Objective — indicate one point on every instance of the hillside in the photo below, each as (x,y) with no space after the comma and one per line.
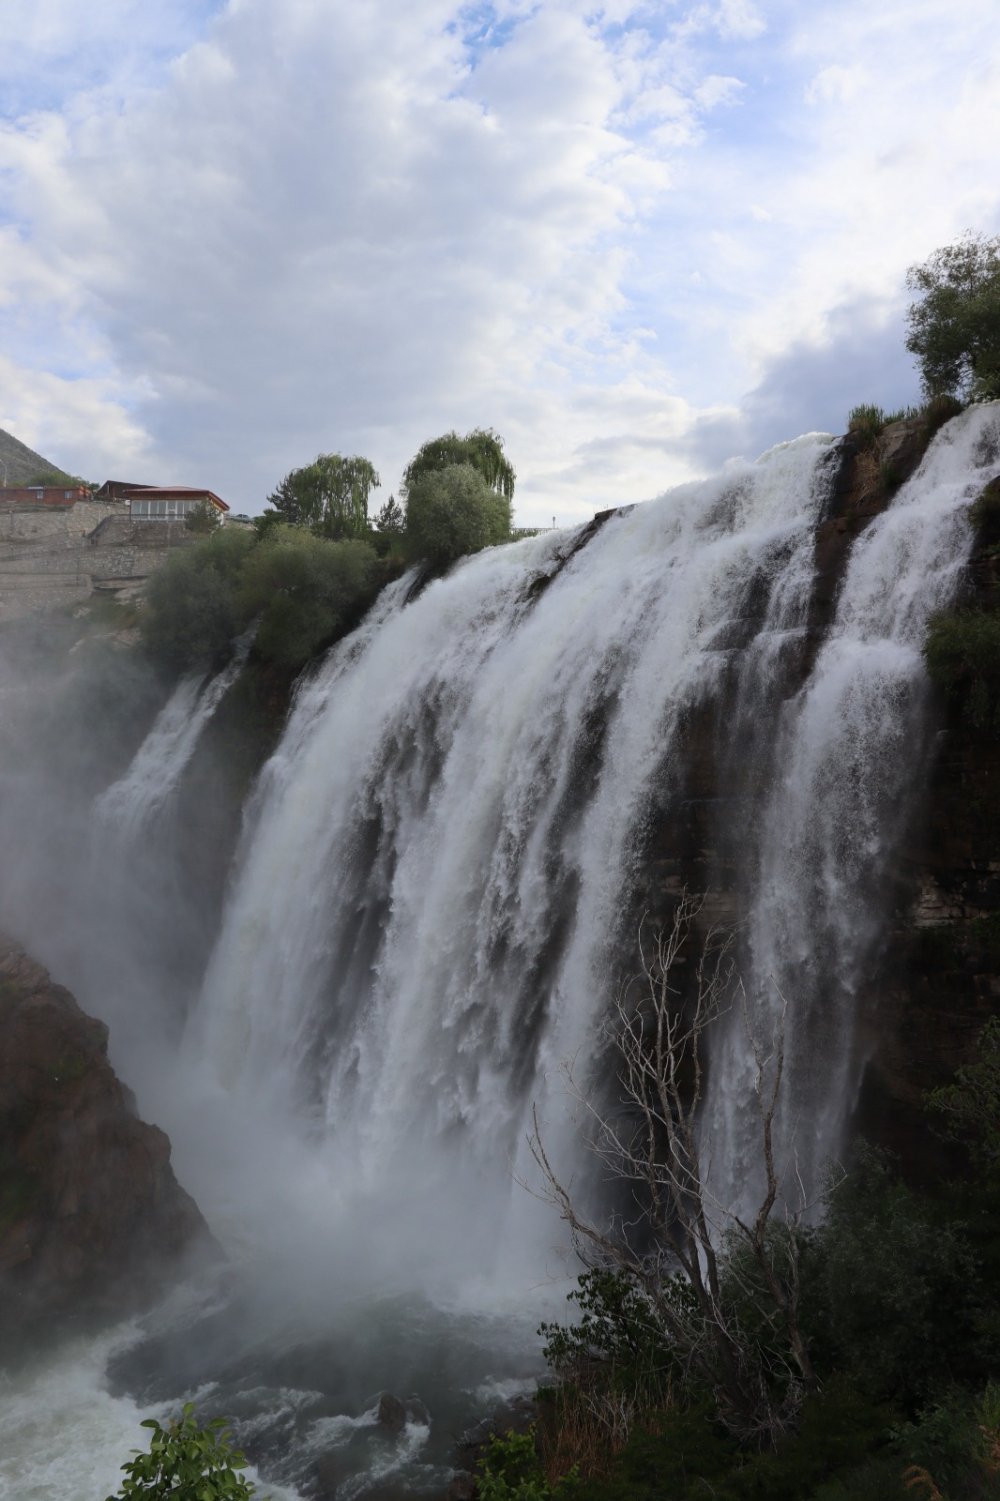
(22,463)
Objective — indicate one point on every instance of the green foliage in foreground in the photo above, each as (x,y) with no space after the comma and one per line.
(452,512)
(901,1305)
(186,1463)
(303,591)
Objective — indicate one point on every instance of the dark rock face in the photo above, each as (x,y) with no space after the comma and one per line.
(939,982)
(92,1219)
(935,980)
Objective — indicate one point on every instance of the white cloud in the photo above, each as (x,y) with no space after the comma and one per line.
(260,231)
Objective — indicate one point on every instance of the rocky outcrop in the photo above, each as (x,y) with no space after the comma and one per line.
(92,1219)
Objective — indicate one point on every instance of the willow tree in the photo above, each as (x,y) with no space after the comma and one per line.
(482,448)
(330,496)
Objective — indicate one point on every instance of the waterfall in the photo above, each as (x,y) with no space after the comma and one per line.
(130,804)
(433,900)
(422,926)
(849,751)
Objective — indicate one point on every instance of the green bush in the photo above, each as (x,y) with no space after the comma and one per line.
(307,591)
(962,652)
(619,1339)
(971,1104)
(186,1463)
(892,1292)
(453,512)
(511,1470)
(192,612)
(984,513)
(866,422)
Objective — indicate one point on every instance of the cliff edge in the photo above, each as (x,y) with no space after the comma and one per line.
(92,1220)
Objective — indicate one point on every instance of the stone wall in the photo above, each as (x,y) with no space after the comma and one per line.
(52,559)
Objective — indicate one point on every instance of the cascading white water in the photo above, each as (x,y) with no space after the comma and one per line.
(848,754)
(443,847)
(426,918)
(127,807)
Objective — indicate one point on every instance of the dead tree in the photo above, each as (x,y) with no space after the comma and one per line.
(653,1144)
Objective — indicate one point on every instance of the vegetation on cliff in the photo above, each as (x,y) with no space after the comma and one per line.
(898,1298)
(954,325)
(302,590)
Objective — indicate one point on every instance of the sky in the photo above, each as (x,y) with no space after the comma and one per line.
(637,240)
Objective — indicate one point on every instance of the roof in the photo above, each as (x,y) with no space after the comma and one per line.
(178,492)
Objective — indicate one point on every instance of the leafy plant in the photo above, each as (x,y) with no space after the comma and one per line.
(203,520)
(511,1471)
(185,1462)
(306,591)
(962,652)
(192,611)
(866,422)
(482,449)
(954,327)
(971,1105)
(330,495)
(452,512)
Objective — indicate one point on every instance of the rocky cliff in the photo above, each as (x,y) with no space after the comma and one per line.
(92,1219)
(935,979)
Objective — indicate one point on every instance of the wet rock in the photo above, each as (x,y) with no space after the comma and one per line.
(462,1488)
(92,1220)
(391,1413)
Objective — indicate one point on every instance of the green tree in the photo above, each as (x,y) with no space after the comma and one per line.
(482,448)
(330,496)
(306,591)
(203,520)
(186,1463)
(192,610)
(452,512)
(971,1105)
(389,527)
(954,327)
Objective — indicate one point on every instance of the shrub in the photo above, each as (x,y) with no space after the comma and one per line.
(186,1463)
(984,513)
(306,590)
(971,1105)
(866,422)
(452,512)
(939,410)
(203,520)
(192,611)
(511,1471)
(893,1285)
(962,652)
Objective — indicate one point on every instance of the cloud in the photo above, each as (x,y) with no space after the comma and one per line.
(812,386)
(251,232)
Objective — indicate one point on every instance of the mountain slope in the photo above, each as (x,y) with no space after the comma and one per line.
(23,464)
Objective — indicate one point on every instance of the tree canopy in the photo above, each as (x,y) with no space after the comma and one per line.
(330,495)
(954,327)
(481,448)
(452,512)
